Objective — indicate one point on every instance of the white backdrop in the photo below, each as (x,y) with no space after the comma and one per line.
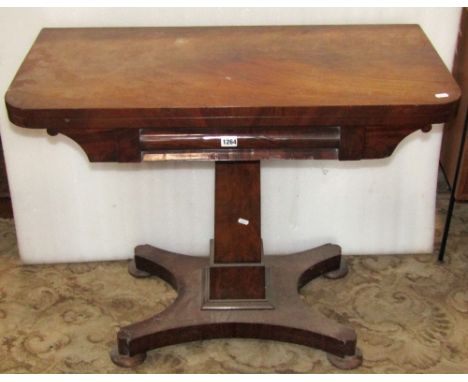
(67,209)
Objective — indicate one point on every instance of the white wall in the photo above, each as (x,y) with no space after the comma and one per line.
(67,209)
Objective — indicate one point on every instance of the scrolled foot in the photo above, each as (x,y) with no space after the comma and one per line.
(125,360)
(135,272)
(342,271)
(347,362)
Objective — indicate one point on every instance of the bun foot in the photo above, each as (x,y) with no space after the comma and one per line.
(126,360)
(342,271)
(135,272)
(348,362)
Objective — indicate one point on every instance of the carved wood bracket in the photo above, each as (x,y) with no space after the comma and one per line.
(313,142)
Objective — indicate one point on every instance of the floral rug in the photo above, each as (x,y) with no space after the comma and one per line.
(410,314)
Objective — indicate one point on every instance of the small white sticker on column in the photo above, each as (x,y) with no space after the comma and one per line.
(243,221)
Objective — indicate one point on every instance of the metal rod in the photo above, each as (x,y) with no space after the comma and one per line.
(448,217)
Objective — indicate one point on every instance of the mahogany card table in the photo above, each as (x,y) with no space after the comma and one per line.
(235,96)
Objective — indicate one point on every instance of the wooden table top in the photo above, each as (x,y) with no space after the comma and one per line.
(107,78)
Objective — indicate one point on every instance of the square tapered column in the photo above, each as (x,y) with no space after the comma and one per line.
(236,269)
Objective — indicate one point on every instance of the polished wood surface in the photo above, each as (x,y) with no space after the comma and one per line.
(253,143)
(237,233)
(253,76)
(237,282)
(309,142)
(285,92)
(291,320)
(237,212)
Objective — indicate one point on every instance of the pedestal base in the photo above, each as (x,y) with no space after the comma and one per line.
(290,320)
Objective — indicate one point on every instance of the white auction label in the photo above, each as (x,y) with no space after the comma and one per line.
(230,141)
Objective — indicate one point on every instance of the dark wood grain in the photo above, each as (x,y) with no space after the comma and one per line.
(237,196)
(285,92)
(229,155)
(132,94)
(238,76)
(316,137)
(106,145)
(381,143)
(290,320)
(317,142)
(237,282)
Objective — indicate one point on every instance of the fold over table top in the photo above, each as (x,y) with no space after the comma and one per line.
(107,78)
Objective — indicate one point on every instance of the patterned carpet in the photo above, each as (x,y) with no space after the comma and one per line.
(410,314)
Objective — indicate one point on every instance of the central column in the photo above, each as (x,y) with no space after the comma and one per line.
(237,213)
(236,274)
